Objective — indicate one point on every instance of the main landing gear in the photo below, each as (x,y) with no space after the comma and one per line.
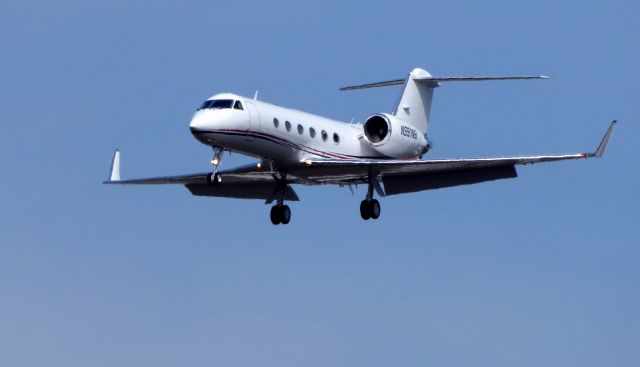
(280,213)
(370,207)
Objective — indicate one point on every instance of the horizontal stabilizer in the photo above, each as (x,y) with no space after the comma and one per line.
(374,85)
(435,80)
(478,78)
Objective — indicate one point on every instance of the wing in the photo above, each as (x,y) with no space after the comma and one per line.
(401,176)
(245,174)
(246,182)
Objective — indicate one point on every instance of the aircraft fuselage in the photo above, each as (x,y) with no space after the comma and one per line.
(279,134)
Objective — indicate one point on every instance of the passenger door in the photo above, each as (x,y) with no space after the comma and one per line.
(254,116)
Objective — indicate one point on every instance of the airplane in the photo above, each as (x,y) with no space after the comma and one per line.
(294,147)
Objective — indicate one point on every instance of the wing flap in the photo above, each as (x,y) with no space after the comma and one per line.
(400,184)
(249,190)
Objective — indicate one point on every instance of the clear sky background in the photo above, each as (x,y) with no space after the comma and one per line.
(542,270)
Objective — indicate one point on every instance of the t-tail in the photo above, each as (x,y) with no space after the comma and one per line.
(414,103)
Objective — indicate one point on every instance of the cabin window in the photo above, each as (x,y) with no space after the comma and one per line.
(336,138)
(238,106)
(287,125)
(312,132)
(324,135)
(276,123)
(300,129)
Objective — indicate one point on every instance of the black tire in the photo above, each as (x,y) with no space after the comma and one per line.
(374,209)
(214,179)
(275,215)
(365,213)
(285,214)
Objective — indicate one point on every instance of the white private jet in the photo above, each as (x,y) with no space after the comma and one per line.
(296,147)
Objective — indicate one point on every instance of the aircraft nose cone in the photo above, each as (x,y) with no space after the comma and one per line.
(197,124)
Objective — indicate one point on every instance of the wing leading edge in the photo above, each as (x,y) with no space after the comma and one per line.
(246,182)
(401,176)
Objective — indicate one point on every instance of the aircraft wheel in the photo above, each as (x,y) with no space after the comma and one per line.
(285,214)
(275,215)
(365,213)
(214,179)
(374,209)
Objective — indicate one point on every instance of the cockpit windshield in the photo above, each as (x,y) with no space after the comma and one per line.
(217,104)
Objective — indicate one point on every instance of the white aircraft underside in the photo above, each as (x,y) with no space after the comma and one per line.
(295,147)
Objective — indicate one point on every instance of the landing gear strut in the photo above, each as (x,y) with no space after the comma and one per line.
(280,213)
(370,207)
(215,178)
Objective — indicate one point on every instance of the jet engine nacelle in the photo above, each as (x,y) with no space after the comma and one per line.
(393,137)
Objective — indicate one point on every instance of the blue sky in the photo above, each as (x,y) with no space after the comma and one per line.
(541,270)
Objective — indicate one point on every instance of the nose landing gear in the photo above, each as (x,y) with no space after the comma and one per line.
(215,178)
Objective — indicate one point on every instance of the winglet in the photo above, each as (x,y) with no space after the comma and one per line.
(605,141)
(115,167)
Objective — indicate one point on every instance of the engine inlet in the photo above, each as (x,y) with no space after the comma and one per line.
(376,128)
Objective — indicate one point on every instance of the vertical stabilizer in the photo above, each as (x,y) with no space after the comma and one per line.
(414,104)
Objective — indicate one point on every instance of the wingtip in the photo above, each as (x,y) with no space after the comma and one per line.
(602,147)
(115,167)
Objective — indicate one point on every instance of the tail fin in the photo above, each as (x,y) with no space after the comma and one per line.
(414,103)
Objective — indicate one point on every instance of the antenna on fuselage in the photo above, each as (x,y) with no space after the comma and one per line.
(255,95)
